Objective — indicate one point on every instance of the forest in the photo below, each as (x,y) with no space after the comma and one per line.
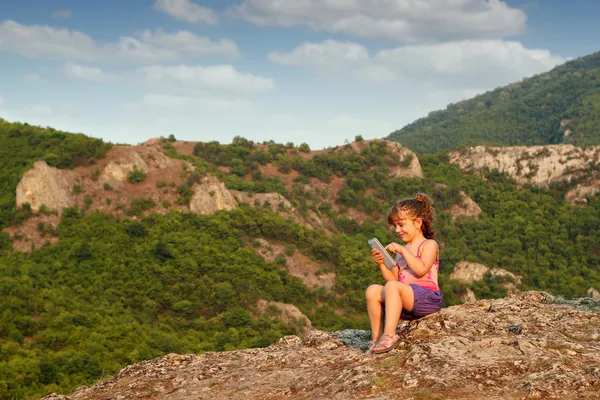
(118,289)
(556,107)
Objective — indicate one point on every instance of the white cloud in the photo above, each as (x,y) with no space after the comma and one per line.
(404,21)
(467,63)
(86,73)
(62,14)
(46,42)
(329,55)
(217,77)
(185,10)
(197,105)
(188,43)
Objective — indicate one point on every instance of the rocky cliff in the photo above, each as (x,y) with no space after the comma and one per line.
(525,346)
(538,165)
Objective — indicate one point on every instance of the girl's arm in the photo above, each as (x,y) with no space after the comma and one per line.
(388,275)
(418,266)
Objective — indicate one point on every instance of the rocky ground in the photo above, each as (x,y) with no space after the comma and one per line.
(525,346)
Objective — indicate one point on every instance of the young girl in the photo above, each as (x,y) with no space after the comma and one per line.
(412,289)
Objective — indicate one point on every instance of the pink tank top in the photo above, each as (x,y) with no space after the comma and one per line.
(428,281)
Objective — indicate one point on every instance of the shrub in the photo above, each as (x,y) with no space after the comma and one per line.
(304,148)
(139,205)
(77,188)
(136,176)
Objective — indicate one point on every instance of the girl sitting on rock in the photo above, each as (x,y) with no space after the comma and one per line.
(412,289)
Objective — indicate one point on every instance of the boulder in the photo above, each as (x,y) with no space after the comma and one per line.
(45,185)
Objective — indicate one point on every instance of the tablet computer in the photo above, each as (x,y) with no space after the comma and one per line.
(387,259)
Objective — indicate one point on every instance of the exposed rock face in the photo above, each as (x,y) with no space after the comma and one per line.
(537,165)
(411,167)
(516,349)
(211,196)
(468,272)
(116,172)
(468,208)
(593,293)
(44,185)
(285,312)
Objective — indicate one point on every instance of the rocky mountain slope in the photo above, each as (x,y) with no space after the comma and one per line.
(556,107)
(520,347)
(128,173)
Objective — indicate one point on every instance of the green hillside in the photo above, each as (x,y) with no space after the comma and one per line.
(116,290)
(523,113)
(23,144)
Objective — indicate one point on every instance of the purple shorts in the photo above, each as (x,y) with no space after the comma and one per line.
(426,302)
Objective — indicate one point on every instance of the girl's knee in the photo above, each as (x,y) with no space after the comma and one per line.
(373,291)
(390,285)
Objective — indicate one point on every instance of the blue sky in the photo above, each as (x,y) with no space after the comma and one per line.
(314,71)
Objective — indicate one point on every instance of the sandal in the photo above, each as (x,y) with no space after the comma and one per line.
(386,343)
(372,344)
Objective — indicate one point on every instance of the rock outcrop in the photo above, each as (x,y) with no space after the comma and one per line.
(284,312)
(211,196)
(467,208)
(409,167)
(45,185)
(468,272)
(520,347)
(144,159)
(297,264)
(537,165)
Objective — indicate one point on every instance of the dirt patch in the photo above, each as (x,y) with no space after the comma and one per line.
(32,234)
(297,264)
(185,148)
(270,170)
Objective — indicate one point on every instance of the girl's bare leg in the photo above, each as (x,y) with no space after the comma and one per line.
(375,300)
(397,296)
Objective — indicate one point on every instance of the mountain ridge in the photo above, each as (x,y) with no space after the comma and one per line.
(557,107)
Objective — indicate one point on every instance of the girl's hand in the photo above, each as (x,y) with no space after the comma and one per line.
(394,248)
(377,256)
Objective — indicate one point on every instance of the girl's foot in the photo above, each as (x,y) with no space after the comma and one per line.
(386,343)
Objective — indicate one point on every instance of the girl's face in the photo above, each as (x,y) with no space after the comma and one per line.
(406,226)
